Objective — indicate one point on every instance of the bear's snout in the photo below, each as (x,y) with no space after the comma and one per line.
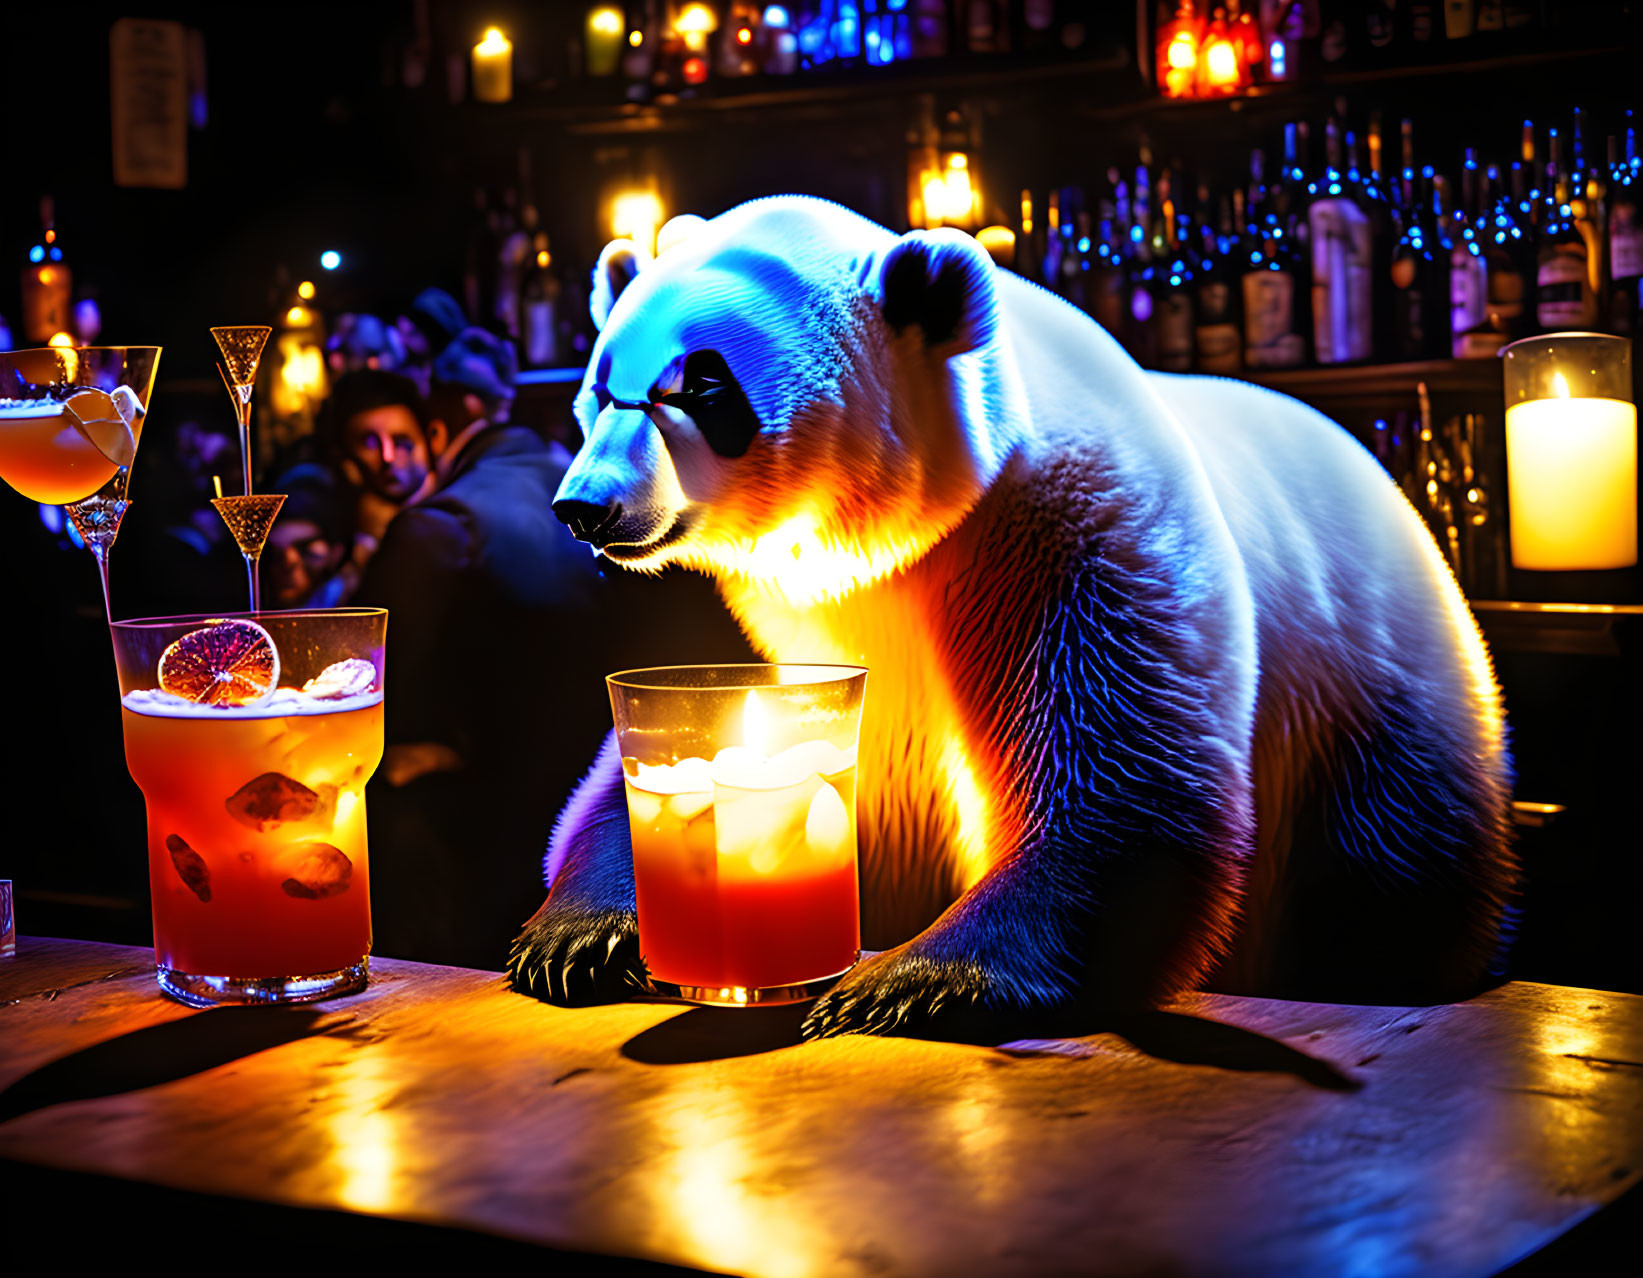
(589,521)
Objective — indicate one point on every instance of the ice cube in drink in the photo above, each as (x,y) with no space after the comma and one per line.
(745,887)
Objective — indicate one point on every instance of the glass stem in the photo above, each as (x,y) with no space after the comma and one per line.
(245,447)
(251,577)
(99,552)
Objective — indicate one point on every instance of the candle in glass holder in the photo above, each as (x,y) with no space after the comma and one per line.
(493,67)
(744,854)
(1571,452)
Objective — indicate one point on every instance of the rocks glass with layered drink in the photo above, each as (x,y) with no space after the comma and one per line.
(741,793)
(252,738)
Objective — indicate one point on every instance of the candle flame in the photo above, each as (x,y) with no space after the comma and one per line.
(493,42)
(755,725)
(1560,386)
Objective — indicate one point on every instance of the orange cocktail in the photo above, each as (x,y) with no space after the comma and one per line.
(744,856)
(46,456)
(255,793)
(746,888)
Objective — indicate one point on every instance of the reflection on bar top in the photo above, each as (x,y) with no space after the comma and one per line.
(1515,605)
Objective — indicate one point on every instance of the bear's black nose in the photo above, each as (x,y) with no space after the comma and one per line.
(587,520)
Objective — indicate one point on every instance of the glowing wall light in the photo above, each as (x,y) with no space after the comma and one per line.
(606,28)
(1221,66)
(493,67)
(694,24)
(950,194)
(636,216)
(1177,46)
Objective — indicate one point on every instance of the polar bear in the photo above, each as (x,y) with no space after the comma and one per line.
(1169,685)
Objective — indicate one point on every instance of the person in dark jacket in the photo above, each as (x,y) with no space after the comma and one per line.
(501,629)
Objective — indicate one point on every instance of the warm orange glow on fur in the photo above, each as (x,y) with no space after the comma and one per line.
(800,563)
(971,808)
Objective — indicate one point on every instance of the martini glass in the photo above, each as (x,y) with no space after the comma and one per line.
(70,420)
(248,516)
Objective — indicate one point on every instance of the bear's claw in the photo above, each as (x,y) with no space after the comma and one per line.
(899,992)
(575,958)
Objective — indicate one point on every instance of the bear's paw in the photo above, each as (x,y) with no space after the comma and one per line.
(573,956)
(904,992)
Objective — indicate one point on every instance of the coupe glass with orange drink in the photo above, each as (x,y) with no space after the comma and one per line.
(741,793)
(70,421)
(252,738)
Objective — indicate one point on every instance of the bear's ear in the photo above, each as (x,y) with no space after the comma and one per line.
(941,280)
(619,263)
(676,230)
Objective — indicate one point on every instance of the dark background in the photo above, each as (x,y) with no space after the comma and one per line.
(314,140)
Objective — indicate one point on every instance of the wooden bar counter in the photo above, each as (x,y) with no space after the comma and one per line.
(1225,1136)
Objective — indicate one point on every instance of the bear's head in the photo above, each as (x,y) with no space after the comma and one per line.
(789,394)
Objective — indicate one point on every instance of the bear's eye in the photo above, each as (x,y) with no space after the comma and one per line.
(708,393)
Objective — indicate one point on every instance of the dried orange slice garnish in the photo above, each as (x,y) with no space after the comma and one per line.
(98,417)
(228,663)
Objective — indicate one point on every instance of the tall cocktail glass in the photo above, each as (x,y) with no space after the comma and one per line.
(70,421)
(252,738)
(741,792)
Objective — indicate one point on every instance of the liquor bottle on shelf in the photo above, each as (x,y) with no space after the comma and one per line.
(1625,234)
(1050,263)
(1506,250)
(1034,25)
(1420,294)
(1423,24)
(987,26)
(1380,193)
(1564,297)
(1075,264)
(1140,334)
(1342,319)
(1029,251)
(1459,18)
(1470,333)
(1218,342)
(1175,284)
(1107,268)
(1272,333)
(513,252)
(539,308)
(48,283)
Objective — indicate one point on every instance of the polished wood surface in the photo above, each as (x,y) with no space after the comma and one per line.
(1228,1135)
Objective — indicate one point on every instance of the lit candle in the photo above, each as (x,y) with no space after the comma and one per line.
(493,67)
(605,33)
(744,864)
(1571,452)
